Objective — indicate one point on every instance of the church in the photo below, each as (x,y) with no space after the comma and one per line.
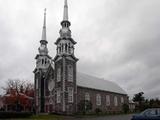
(59,87)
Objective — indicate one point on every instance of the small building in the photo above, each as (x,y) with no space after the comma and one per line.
(17,101)
(132,106)
(1,103)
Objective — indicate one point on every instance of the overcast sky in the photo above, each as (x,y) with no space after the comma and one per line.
(118,40)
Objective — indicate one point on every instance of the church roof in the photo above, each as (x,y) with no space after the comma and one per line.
(88,81)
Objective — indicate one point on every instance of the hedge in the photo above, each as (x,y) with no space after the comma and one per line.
(15,114)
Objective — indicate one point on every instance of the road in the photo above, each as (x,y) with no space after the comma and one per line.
(111,117)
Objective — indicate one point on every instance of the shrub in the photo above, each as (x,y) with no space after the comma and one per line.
(15,114)
(98,110)
(125,108)
(84,106)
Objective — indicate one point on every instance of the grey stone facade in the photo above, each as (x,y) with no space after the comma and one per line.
(104,107)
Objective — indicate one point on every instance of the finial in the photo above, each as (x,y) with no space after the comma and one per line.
(44,26)
(65,13)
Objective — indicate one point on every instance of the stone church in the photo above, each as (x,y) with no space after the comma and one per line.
(59,88)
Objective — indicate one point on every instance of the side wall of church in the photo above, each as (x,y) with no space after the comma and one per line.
(104,107)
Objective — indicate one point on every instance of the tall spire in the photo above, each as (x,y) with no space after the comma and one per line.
(44,27)
(43,48)
(65,13)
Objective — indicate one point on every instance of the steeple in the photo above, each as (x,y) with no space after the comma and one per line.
(65,22)
(65,43)
(43,61)
(44,26)
(65,68)
(43,50)
(65,13)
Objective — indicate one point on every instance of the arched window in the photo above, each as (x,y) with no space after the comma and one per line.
(62,48)
(59,74)
(72,49)
(98,99)
(69,48)
(59,49)
(70,73)
(58,96)
(45,61)
(107,100)
(42,61)
(87,97)
(70,94)
(115,101)
(122,100)
(66,47)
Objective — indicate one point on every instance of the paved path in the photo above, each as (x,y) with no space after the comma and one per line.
(112,117)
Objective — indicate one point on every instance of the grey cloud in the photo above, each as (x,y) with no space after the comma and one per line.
(117,40)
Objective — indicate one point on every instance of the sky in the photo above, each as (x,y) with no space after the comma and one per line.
(118,40)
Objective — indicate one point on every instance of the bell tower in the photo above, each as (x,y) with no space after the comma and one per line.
(65,68)
(43,61)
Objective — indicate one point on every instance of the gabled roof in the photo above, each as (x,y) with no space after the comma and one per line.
(84,80)
(50,69)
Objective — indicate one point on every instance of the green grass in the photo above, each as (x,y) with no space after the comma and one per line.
(42,117)
(46,117)
(61,117)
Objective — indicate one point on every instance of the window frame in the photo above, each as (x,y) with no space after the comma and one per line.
(70,94)
(87,96)
(122,100)
(98,99)
(70,73)
(58,98)
(108,100)
(115,101)
(58,74)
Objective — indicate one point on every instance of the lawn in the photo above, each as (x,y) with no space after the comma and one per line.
(46,117)
(42,117)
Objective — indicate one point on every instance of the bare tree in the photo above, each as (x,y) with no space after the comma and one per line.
(18,86)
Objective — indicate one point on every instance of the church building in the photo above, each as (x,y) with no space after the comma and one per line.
(60,88)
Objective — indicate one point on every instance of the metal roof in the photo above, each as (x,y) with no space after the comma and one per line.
(89,81)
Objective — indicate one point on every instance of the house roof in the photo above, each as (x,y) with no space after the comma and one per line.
(88,81)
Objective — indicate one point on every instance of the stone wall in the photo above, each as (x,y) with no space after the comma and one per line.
(103,107)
